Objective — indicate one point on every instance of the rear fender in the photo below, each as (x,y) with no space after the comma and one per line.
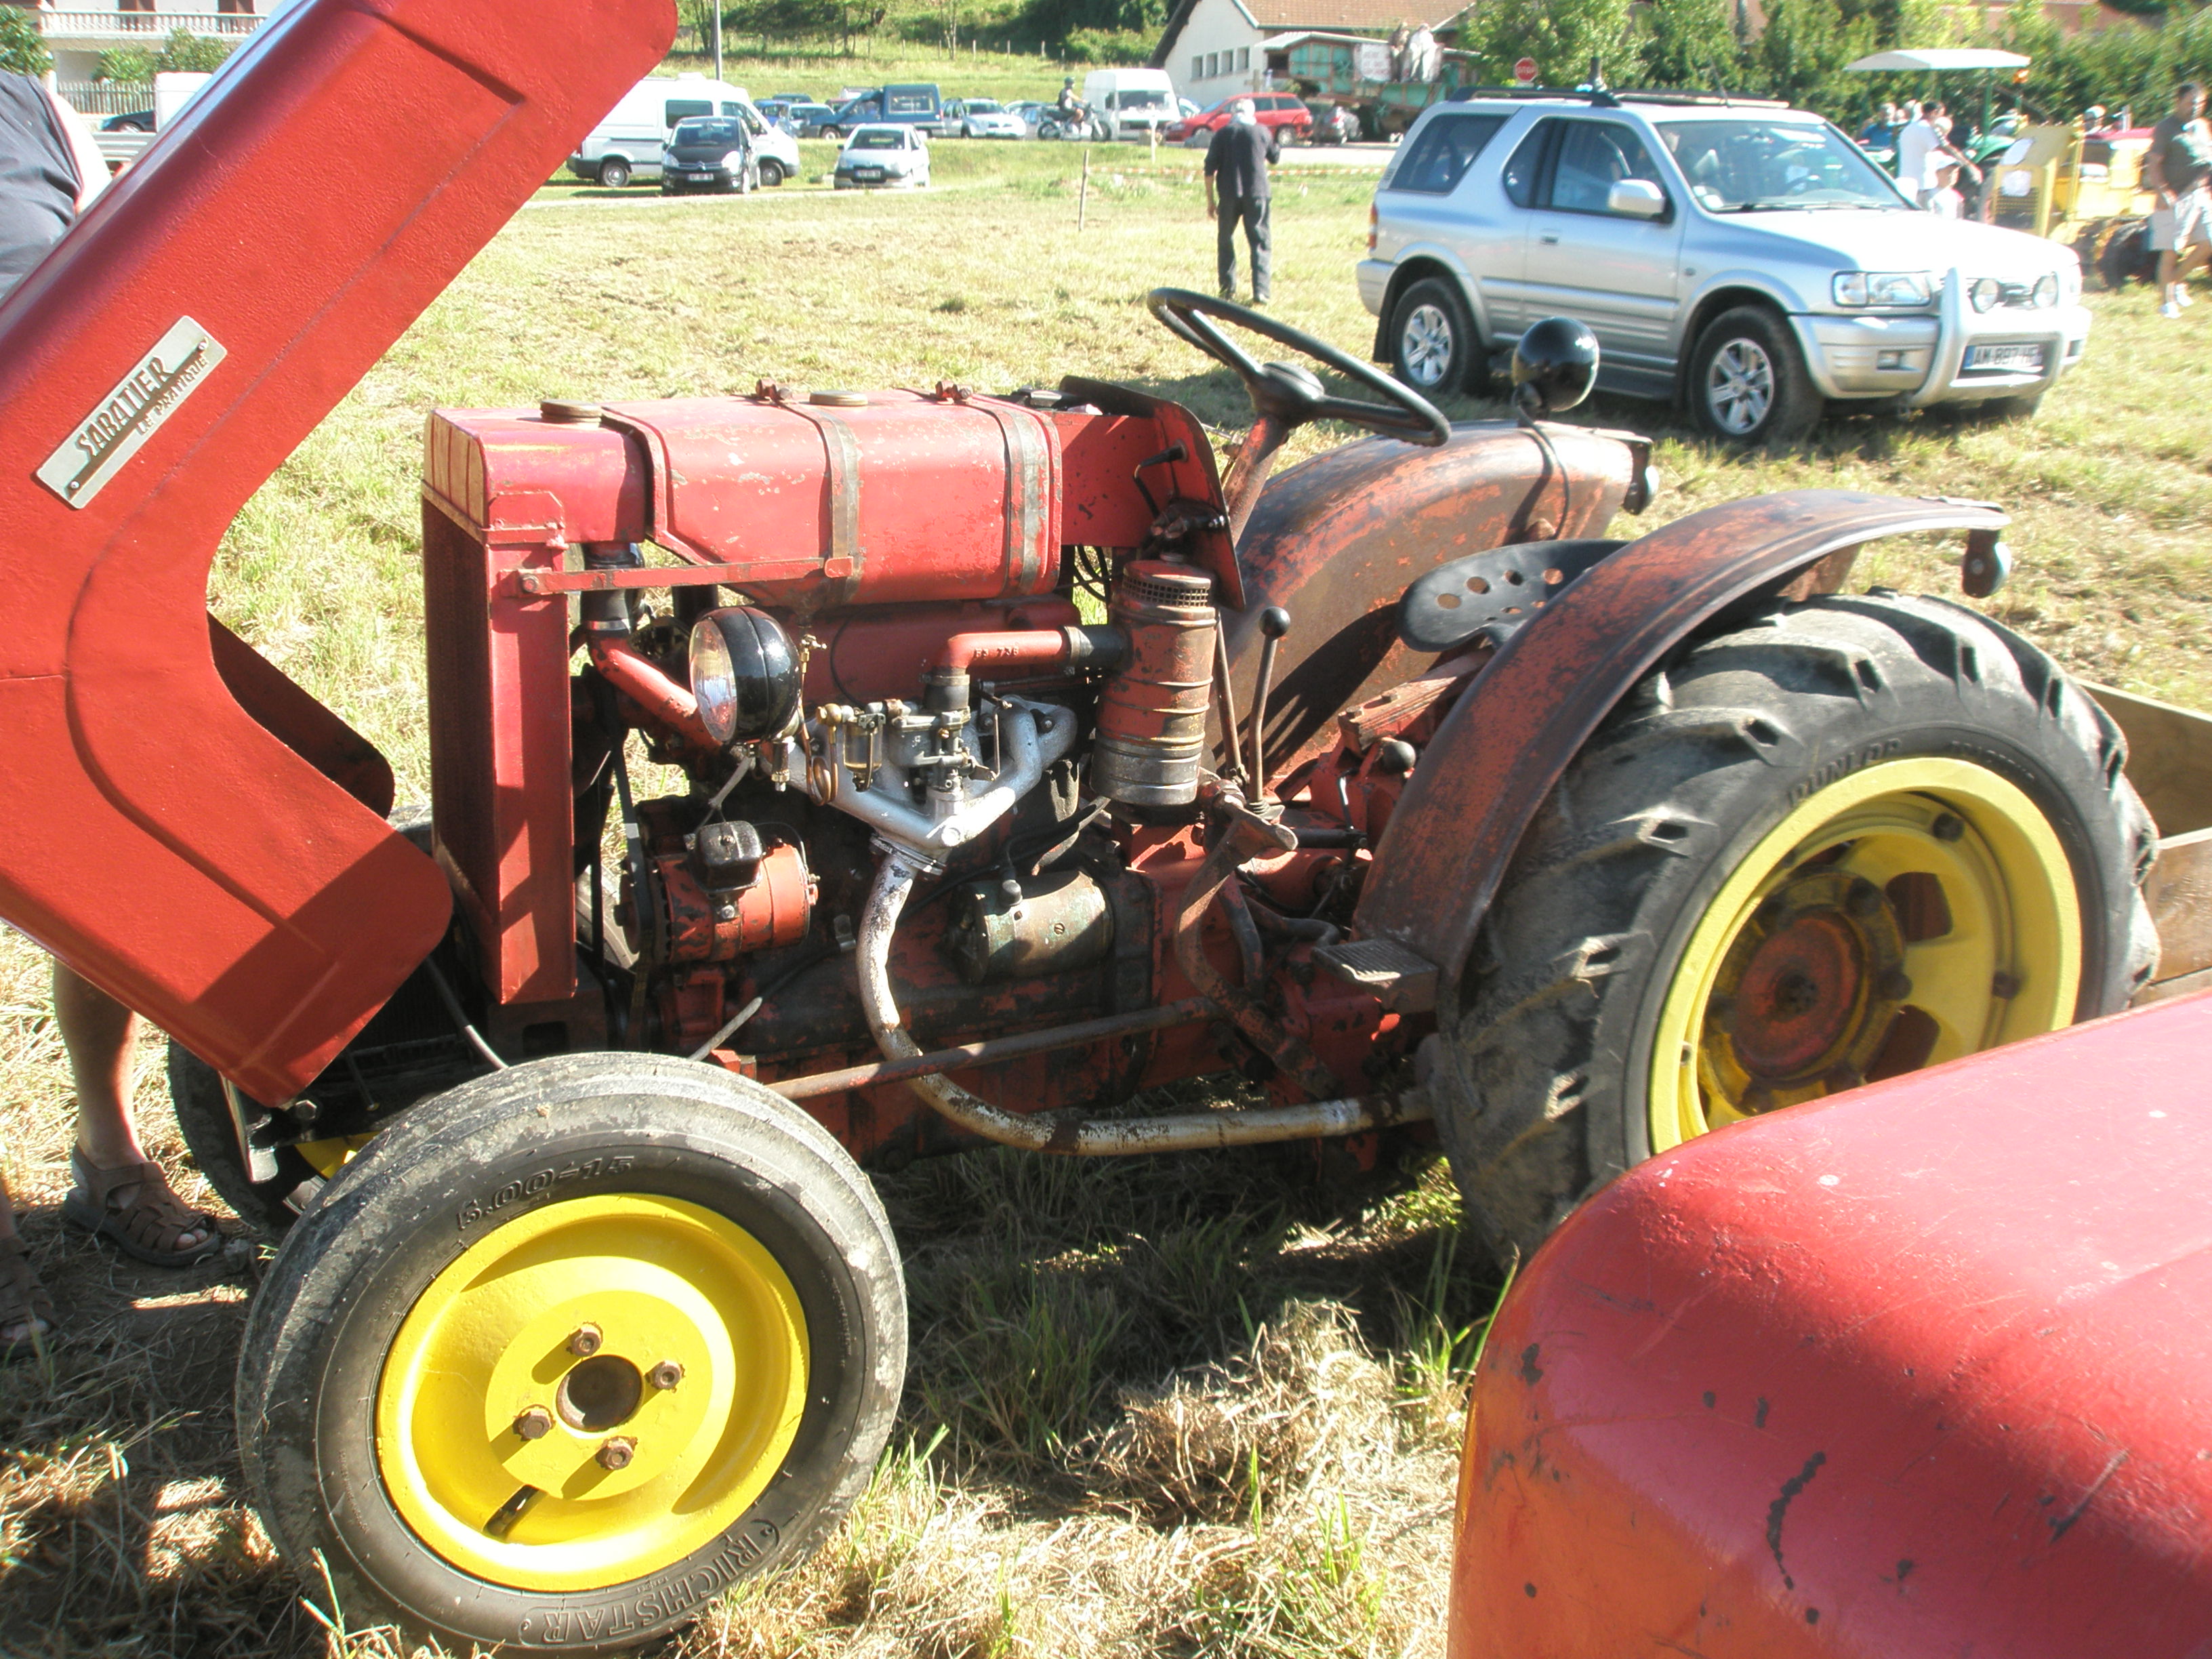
(1337,539)
(1512,736)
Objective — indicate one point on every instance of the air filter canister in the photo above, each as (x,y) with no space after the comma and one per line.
(1151,716)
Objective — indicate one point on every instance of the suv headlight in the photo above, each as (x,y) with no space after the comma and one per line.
(1883,287)
(2045,293)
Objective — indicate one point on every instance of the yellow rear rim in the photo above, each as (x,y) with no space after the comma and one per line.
(497,1408)
(1908,913)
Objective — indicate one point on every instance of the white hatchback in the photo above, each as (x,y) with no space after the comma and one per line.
(883,158)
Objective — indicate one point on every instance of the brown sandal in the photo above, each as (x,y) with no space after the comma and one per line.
(23,1299)
(149,1225)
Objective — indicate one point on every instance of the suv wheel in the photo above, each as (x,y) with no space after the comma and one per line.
(1747,382)
(614,171)
(1432,338)
(771,173)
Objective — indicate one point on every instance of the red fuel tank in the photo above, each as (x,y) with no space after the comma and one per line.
(1925,1369)
(852,498)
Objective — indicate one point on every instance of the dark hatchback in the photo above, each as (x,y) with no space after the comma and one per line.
(698,155)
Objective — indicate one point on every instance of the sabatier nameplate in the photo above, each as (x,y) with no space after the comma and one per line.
(132,413)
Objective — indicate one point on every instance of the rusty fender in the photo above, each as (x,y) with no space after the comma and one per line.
(1527,716)
(1336,539)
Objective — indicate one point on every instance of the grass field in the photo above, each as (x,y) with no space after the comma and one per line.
(1200,1408)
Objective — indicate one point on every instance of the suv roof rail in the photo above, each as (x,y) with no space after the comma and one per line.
(1613,98)
(1602,96)
(1715,100)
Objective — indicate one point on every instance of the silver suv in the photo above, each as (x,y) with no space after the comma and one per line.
(1741,257)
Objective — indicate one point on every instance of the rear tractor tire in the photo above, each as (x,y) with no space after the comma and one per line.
(568,1351)
(1852,838)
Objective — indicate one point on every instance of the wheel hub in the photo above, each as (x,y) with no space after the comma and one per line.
(591,1392)
(1807,991)
(1909,913)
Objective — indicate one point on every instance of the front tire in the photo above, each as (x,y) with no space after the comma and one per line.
(614,171)
(421,1415)
(1855,837)
(1432,340)
(1747,381)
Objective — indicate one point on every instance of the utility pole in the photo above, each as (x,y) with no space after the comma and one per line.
(717,4)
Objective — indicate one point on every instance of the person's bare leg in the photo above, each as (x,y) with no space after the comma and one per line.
(101,1035)
(15,1330)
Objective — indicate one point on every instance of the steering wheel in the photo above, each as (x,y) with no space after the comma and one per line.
(1289,392)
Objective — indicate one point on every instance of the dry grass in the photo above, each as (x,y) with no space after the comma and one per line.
(1203,1407)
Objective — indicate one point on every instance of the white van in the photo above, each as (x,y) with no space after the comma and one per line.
(1133,103)
(627,144)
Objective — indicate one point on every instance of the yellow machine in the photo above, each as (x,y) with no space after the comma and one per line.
(2061,183)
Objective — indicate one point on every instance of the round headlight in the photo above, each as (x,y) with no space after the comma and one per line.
(2045,291)
(1986,292)
(744,674)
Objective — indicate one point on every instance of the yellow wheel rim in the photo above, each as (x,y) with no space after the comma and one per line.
(1908,913)
(497,1408)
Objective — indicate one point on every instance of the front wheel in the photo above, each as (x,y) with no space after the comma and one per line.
(614,171)
(568,1351)
(771,173)
(1432,339)
(1855,837)
(1747,381)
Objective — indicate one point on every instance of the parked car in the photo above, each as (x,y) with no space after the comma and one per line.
(1031,114)
(794,97)
(712,153)
(1333,123)
(138,121)
(1287,115)
(883,156)
(809,120)
(986,117)
(1745,257)
(915,104)
(627,145)
(1132,103)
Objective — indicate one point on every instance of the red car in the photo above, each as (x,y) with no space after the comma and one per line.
(1286,113)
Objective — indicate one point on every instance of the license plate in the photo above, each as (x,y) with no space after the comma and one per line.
(2028,359)
(869,173)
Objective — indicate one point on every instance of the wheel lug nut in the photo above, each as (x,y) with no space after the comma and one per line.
(666,1375)
(533,1423)
(1895,986)
(583,1341)
(1863,899)
(615,1453)
(1948,826)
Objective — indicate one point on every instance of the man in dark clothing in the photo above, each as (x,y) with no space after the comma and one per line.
(49,168)
(1236,163)
(37,179)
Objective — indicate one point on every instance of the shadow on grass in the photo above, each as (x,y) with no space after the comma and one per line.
(123,1529)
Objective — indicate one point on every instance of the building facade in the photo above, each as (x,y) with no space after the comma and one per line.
(1211,49)
(77,34)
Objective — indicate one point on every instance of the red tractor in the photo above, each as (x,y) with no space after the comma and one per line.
(1027,764)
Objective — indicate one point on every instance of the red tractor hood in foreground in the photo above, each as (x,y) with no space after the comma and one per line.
(154,370)
(1922,1371)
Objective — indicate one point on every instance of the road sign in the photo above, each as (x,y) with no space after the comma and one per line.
(1524,71)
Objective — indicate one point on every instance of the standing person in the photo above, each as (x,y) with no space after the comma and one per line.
(1943,198)
(2176,168)
(1916,146)
(1237,160)
(1881,133)
(49,171)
